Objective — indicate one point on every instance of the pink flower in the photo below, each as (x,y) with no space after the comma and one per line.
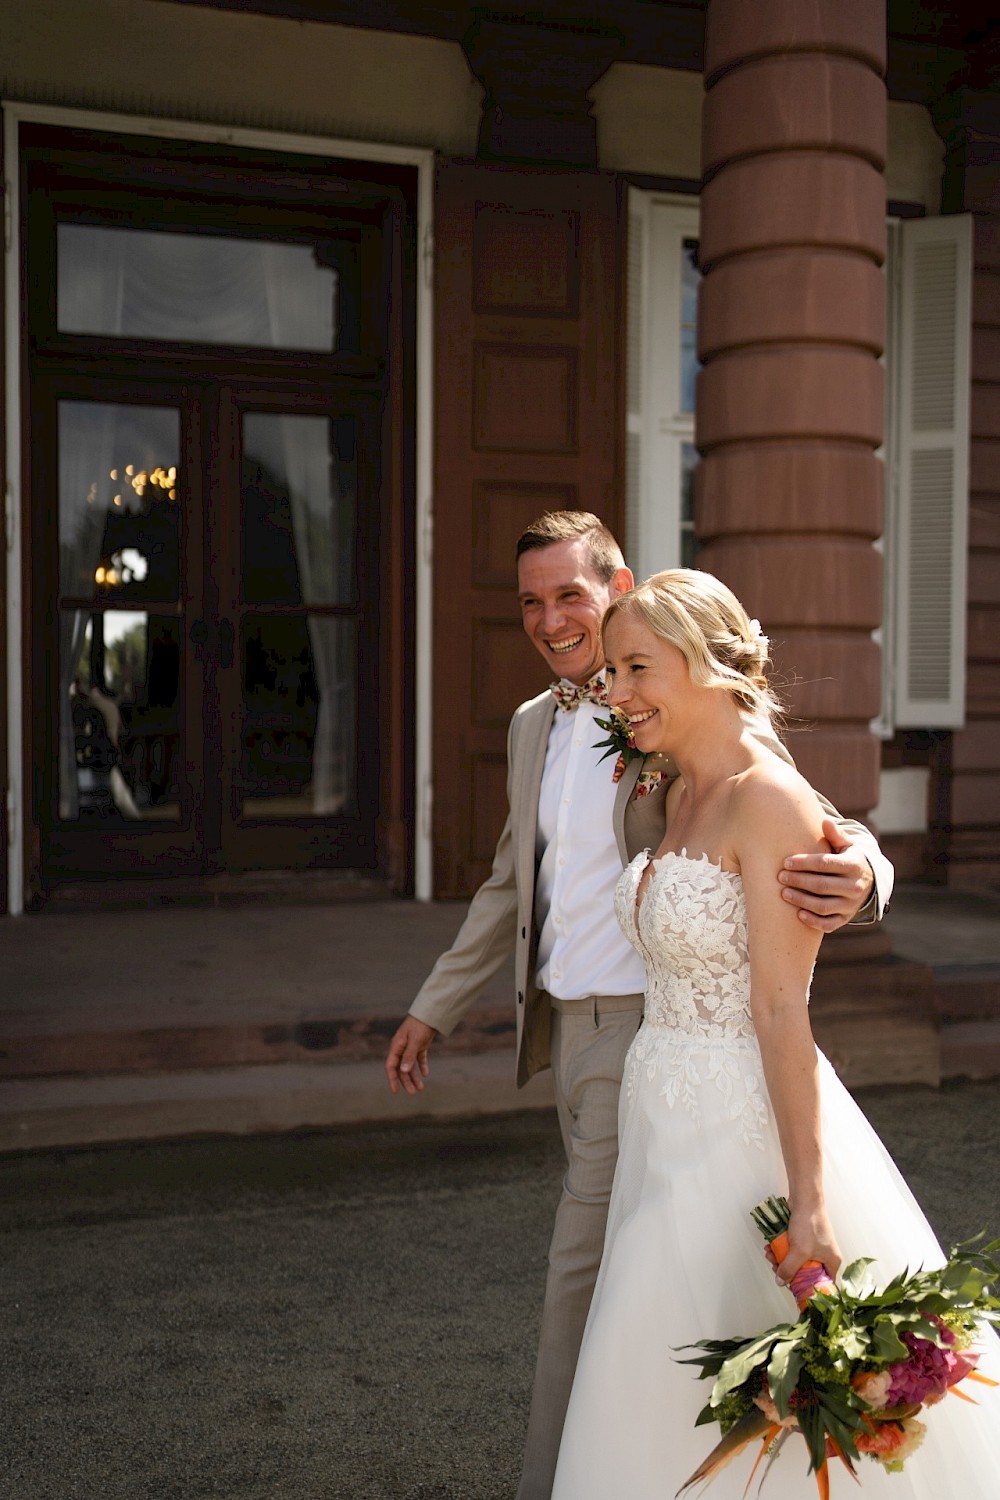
(928,1372)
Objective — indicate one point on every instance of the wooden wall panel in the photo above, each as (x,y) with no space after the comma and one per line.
(524,399)
(528,418)
(526,262)
(488,807)
(501,511)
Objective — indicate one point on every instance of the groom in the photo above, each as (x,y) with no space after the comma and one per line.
(549,899)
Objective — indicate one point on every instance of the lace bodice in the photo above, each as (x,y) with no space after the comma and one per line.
(691,929)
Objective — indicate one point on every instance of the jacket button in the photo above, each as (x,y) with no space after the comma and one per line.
(520,998)
(524,932)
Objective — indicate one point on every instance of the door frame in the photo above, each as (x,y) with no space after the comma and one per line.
(422,159)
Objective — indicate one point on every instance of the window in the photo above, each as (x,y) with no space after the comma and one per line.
(663,282)
(926,445)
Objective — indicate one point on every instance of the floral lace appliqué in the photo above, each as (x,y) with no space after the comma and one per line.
(691,929)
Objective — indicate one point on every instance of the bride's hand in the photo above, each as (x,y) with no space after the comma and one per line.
(810,1237)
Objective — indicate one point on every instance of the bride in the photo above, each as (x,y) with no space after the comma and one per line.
(725,1099)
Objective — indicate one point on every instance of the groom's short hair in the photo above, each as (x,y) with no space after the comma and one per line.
(565,526)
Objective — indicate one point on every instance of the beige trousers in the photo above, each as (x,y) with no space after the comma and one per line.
(589,1041)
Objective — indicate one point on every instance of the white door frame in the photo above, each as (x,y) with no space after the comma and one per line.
(14,115)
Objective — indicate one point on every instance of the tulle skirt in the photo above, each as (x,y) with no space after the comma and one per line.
(683,1261)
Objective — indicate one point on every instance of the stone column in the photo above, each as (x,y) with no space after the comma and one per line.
(789,417)
(791,326)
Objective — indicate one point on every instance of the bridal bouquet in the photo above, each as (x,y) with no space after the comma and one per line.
(857,1366)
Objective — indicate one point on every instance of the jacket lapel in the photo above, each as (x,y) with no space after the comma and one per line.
(533,743)
(626,787)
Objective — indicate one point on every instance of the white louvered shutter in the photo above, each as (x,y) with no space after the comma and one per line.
(932,479)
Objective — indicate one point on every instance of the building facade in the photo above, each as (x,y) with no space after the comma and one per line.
(310,307)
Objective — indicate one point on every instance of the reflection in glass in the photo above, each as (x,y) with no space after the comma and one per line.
(689,542)
(300,716)
(299,489)
(119,545)
(206,289)
(120,716)
(690,278)
(119,507)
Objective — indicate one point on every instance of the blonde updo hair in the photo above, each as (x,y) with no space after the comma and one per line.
(704,619)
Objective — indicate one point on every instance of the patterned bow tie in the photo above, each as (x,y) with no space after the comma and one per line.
(569,697)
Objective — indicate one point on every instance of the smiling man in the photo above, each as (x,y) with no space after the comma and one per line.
(549,900)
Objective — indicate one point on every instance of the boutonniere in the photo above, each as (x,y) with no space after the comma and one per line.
(620,742)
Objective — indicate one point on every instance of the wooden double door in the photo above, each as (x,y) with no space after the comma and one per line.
(219,521)
(210,660)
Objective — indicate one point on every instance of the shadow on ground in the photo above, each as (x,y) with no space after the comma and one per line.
(344,1315)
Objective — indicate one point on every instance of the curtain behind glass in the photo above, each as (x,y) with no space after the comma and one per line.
(299,450)
(153,284)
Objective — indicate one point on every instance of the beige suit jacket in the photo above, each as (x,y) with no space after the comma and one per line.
(501,917)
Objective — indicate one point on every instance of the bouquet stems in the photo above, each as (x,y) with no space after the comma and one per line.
(772,1218)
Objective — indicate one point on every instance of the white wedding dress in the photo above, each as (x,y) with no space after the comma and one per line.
(683,1260)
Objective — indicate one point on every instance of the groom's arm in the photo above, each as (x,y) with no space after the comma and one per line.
(852,883)
(484,941)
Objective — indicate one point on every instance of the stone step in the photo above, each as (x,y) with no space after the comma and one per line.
(885,1030)
(970,1049)
(48,1113)
(967,992)
(236,1043)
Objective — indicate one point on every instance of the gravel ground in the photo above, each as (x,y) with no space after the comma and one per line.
(340,1315)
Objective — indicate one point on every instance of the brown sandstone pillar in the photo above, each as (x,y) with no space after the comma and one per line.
(789,417)
(790,398)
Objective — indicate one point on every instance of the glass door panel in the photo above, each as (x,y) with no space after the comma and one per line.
(120,668)
(299,503)
(300,716)
(300,636)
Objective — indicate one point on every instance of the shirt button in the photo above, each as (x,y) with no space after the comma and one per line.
(558,921)
(562,859)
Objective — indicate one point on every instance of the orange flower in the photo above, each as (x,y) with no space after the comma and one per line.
(883,1440)
(891,1442)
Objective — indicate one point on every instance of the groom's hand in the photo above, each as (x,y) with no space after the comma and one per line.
(829,888)
(406,1062)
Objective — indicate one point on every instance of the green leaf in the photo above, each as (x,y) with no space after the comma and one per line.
(813,1429)
(783,1373)
(853,1279)
(754,1353)
(888,1345)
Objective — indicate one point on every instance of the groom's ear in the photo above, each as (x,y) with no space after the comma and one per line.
(621,581)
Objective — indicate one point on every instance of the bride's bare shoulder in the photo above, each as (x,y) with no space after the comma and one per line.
(774,802)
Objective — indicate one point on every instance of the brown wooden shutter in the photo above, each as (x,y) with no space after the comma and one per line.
(528,415)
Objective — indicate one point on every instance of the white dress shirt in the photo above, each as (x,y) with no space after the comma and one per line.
(581,949)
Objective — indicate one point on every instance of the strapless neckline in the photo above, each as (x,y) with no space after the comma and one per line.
(681,856)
